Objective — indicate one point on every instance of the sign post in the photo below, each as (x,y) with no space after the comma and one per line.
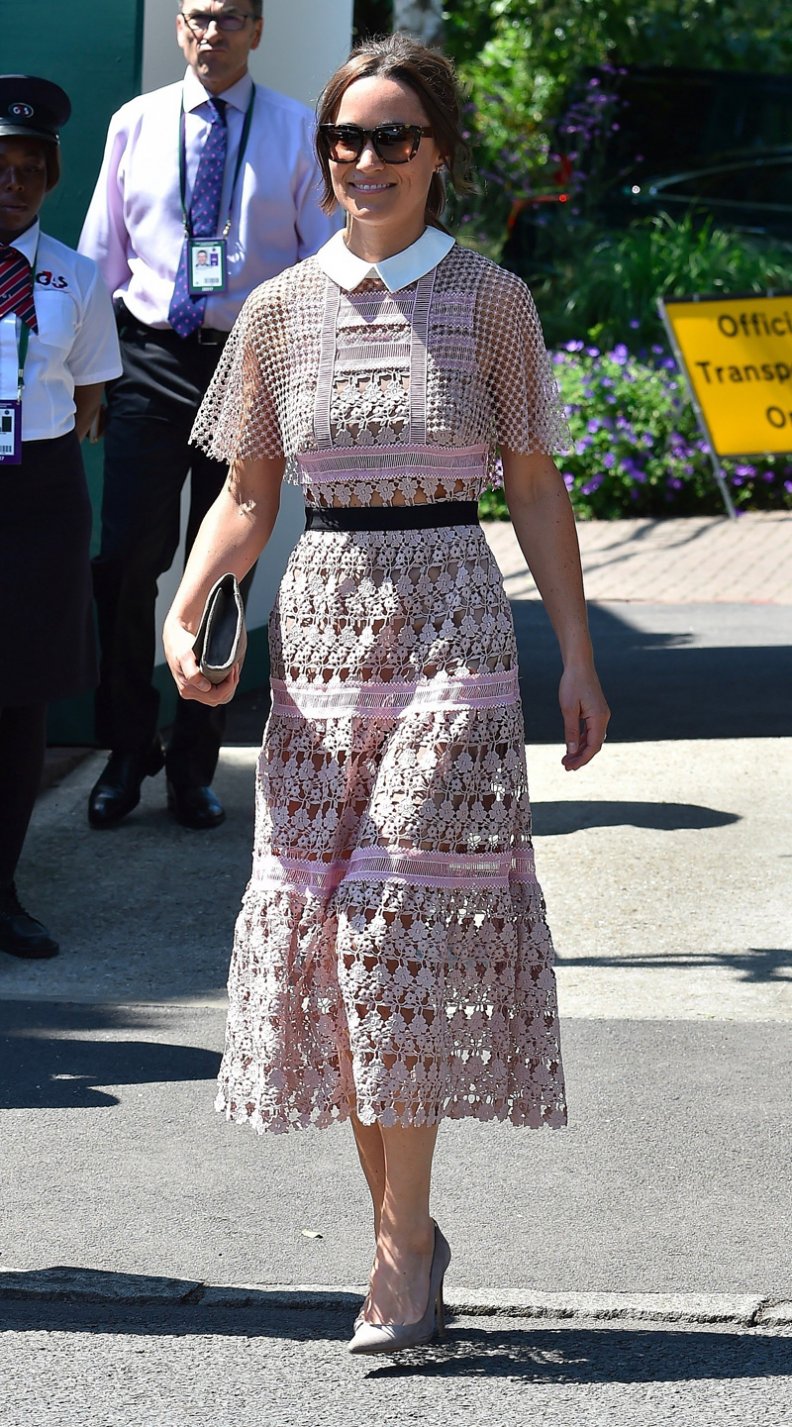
(736,356)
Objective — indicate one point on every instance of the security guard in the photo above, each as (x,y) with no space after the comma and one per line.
(58,346)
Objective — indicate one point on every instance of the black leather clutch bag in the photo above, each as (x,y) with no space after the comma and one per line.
(221,640)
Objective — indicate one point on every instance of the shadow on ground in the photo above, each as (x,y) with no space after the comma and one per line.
(522,1351)
(669,672)
(554,819)
(61,1071)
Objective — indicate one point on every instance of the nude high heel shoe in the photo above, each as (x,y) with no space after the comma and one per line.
(393,1337)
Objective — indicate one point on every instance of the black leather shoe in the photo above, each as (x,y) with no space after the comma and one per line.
(194,806)
(117,791)
(20,934)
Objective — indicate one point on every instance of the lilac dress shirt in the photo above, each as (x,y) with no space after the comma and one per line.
(133,228)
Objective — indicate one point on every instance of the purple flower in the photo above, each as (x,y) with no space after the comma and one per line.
(593,425)
(609,460)
(569,481)
(573,346)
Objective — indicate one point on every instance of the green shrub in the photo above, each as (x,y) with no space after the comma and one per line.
(638,448)
(606,286)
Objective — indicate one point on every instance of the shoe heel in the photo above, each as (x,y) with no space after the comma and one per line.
(440,1325)
(156,760)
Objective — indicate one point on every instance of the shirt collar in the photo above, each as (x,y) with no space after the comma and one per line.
(348,271)
(195,94)
(27,242)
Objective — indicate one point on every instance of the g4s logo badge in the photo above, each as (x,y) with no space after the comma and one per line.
(48,279)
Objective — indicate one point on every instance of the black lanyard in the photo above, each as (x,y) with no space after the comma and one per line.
(240,159)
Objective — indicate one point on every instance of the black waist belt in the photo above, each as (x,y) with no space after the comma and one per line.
(391,517)
(202,337)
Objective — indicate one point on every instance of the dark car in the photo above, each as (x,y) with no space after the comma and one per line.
(715,144)
(753,194)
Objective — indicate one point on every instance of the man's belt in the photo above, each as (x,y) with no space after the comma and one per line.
(203,337)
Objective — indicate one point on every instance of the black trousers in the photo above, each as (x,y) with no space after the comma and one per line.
(23,742)
(151,409)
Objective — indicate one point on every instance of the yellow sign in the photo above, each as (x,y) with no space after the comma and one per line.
(737,355)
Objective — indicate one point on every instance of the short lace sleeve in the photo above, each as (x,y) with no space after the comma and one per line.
(528,411)
(238,417)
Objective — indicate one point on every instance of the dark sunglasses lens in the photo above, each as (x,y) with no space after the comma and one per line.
(232,22)
(343,145)
(394,143)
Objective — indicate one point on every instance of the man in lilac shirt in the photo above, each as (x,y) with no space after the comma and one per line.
(146,201)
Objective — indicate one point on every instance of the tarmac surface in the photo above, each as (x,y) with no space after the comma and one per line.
(160,1266)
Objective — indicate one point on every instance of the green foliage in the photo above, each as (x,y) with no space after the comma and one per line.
(638,449)
(519,57)
(607,285)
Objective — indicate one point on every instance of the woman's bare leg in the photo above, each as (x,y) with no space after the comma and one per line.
(400,1277)
(371,1153)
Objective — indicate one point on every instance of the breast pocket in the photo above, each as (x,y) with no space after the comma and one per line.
(56,314)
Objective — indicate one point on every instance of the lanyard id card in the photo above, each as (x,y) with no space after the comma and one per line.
(206,266)
(10,432)
(10,409)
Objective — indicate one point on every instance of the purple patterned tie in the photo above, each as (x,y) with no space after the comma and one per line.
(186,312)
(16,286)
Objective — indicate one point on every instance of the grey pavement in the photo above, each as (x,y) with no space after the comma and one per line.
(643,1251)
(133,1367)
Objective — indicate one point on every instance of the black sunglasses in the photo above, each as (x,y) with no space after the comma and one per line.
(199,22)
(393,143)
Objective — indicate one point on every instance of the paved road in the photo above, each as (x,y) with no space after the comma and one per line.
(83,1367)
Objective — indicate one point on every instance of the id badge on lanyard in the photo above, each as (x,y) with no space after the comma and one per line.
(10,432)
(11,408)
(206,266)
(207,270)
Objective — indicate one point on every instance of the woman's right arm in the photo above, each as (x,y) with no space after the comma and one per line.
(231,538)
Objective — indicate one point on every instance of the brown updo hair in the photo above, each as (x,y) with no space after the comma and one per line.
(431,77)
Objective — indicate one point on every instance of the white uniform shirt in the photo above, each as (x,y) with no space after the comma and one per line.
(134,229)
(76,344)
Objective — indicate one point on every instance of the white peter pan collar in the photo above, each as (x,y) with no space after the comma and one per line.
(343,266)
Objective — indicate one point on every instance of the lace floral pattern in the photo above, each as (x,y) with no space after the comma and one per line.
(392,955)
(477,375)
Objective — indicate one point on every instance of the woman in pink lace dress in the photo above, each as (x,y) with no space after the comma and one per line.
(392,964)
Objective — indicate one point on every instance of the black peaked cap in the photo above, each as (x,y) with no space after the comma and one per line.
(31,107)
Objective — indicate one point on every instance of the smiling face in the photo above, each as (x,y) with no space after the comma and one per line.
(24,183)
(218,58)
(385,203)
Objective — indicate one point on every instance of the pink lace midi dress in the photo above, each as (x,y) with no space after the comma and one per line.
(391,955)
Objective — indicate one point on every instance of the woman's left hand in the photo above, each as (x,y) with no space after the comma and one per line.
(178,643)
(585,713)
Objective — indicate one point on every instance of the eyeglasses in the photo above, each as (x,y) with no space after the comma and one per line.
(199,22)
(393,143)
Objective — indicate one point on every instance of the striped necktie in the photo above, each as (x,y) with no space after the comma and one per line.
(186,312)
(16,286)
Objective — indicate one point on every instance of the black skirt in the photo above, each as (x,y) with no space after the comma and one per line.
(46,615)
